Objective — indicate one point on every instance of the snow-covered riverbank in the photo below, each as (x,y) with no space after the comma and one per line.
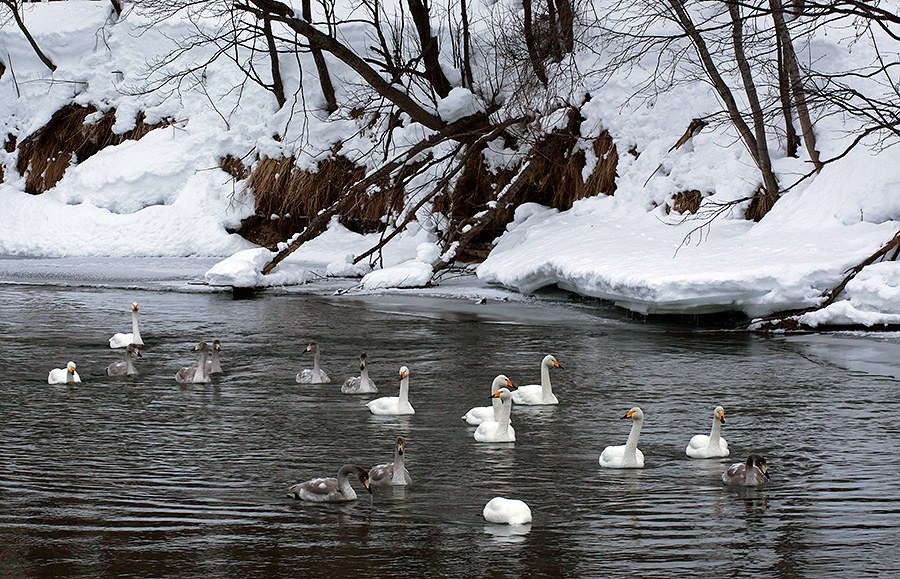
(165,195)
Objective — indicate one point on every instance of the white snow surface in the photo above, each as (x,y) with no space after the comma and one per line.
(165,196)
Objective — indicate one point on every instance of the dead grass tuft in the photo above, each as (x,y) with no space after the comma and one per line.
(295,196)
(65,140)
(760,204)
(234,167)
(685,202)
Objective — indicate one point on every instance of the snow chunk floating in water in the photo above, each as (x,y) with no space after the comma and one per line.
(459,103)
(507,511)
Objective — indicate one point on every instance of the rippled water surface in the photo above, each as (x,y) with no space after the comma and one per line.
(141,476)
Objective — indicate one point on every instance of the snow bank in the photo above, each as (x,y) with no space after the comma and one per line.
(650,262)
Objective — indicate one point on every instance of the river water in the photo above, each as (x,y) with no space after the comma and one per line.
(143,477)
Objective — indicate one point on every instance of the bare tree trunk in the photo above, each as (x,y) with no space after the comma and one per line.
(468,80)
(283,13)
(759,127)
(790,60)
(321,67)
(536,63)
(684,20)
(566,24)
(430,49)
(784,93)
(553,31)
(117,7)
(34,45)
(277,84)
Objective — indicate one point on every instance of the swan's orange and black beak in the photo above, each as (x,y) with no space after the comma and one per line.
(402,375)
(556,364)
(134,307)
(365,482)
(509,383)
(721,417)
(628,414)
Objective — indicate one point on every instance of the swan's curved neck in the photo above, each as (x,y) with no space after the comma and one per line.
(496,404)
(503,420)
(317,373)
(344,485)
(136,338)
(715,433)
(200,372)
(546,389)
(399,468)
(129,363)
(632,442)
(70,376)
(364,376)
(404,392)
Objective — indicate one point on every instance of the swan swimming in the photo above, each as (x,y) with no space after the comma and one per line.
(391,405)
(392,473)
(361,384)
(63,375)
(629,455)
(196,372)
(122,340)
(125,368)
(712,446)
(316,375)
(538,394)
(331,490)
(753,473)
(214,366)
(479,414)
(507,511)
(500,430)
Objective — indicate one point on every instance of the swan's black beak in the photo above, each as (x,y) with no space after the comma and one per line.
(365,483)
(139,355)
(722,419)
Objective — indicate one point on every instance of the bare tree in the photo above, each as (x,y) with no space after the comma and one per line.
(11,4)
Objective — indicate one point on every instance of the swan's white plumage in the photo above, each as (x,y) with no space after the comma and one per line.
(63,375)
(479,414)
(627,455)
(123,340)
(538,394)
(507,511)
(711,445)
(394,405)
(500,430)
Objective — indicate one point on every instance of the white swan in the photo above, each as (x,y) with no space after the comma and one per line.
(214,366)
(479,414)
(712,446)
(331,490)
(122,340)
(196,372)
(538,394)
(753,473)
(392,473)
(500,430)
(629,455)
(125,368)
(316,375)
(389,405)
(361,384)
(63,375)
(507,511)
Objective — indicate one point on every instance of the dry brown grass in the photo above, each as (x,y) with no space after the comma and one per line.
(296,195)
(685,202)
(45,155)
(234,167)
(760,204)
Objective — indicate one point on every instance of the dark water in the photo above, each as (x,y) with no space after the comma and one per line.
(144,477)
